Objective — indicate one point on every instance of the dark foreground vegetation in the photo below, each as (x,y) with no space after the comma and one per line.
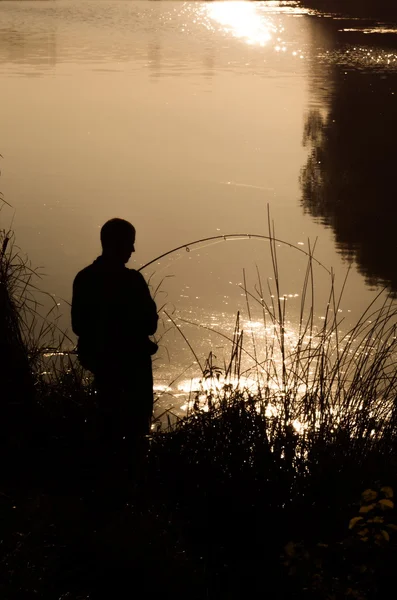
(286,493)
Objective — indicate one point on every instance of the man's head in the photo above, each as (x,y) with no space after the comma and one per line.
(118,239)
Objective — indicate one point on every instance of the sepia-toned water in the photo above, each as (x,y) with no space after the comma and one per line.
(192,120)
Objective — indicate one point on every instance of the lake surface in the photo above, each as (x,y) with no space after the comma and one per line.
(190,119)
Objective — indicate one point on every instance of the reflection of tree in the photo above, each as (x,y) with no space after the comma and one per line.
(349,179)
(31,48)
(209,62)
(154,57)
(159,63)
(370,8)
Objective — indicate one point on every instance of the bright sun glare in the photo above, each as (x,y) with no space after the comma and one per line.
(243,20)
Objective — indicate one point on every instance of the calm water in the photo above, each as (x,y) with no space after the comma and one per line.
(189,119)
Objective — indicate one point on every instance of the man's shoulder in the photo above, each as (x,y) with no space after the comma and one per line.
(86,273)
(133,273)
(95,272)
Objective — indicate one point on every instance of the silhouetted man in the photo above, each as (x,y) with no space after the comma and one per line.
(113,316)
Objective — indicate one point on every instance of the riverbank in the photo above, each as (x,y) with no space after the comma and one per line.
(287,491)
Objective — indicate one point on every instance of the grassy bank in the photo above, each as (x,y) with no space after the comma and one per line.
(252,494)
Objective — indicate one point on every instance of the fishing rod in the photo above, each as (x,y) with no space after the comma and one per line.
(234,236)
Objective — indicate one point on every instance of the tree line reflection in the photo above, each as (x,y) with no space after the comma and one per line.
(33,48)
(348,181)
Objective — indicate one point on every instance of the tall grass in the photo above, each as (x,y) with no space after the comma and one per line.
(318,379)
(43,389)
(274,438)
(14,299)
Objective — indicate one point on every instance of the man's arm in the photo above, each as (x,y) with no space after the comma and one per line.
(77,305)
(148,306)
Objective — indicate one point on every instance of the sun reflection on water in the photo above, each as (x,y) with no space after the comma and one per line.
(197,392)
(271,373)
(242,20)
